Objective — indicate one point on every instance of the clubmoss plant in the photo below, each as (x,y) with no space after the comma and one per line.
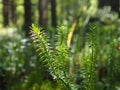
(89,61)
(54,58)
(113,66)
(111,69)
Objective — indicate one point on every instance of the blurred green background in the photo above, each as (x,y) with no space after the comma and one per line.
(18,59)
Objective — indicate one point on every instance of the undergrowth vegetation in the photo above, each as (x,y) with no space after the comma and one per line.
(16,60)
(89,72)
(49,63)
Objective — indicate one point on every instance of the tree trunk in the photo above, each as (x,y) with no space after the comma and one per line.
(5,12)
(53,13)
(43,12)
(27,15)
(13,8)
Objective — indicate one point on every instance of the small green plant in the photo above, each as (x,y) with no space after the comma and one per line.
(55,59)
(89,62)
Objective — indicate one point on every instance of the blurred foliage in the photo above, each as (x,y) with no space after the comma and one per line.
(21,68)
(16,60)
